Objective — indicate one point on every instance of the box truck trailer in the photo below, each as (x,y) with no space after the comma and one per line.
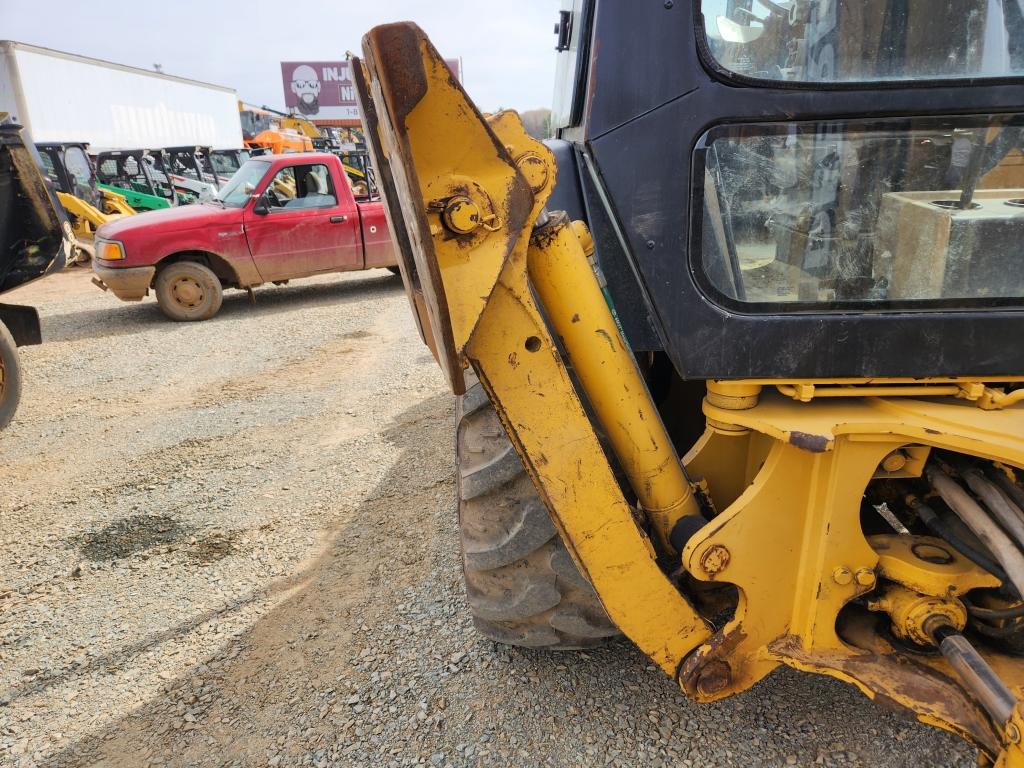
(62,97)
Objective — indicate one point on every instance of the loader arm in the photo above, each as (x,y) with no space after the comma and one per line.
(499,284)
(466,221)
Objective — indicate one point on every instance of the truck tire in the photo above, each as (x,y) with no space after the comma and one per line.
(521,584)
(187,291)
(10,377)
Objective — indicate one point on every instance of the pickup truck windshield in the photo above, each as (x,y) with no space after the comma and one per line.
(906,212)
(236,192)
(836,41)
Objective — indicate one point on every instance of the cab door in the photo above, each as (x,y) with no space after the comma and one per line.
(297,227)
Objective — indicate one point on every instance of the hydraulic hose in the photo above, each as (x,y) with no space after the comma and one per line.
(938,526)
(1007,486)
(994,614)
(983,526)
(975,672)
(1005,511)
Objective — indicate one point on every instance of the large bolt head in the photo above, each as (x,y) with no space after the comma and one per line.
(461,215)
(714,560)
(534,170)
(865,577)
(842,576)
(714,678)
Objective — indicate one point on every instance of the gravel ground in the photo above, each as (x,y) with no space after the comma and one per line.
(233,543)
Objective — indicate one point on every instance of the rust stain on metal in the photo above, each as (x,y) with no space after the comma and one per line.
(400,66)
(719,646)
(714,678)
(902,685)
(714,560)
(809,442)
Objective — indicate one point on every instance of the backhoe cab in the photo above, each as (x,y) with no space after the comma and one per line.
(783,245)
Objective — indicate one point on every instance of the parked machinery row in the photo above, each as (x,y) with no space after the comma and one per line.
(95,189)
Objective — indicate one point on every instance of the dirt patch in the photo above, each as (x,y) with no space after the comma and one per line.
(126,537)
(213,547)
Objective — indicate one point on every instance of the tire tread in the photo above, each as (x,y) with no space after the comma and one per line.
(522,585)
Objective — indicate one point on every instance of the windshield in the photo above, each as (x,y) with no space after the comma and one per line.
(907,212)
(836,41)
(236,192)
(226,163)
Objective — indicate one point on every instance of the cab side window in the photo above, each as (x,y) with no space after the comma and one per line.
(299,187)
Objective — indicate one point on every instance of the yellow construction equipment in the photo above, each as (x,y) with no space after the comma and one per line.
(35,240)
(817,314)
(86,204)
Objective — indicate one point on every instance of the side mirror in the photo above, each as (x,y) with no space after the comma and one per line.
(260,207)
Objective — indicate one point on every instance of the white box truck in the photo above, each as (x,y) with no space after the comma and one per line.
(62,97)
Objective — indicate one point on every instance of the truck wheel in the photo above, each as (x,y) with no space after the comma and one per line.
(10,377)
(523,587)
(187,290)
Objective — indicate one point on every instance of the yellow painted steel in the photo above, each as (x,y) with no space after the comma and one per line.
(477,294)
(1013,756)
(790,536)
(970,388)
(86,217)
(912,613)
(786,478)
(576,307)
(518,364)
(944,574)
(115,205)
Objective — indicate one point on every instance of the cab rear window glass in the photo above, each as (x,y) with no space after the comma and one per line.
(848,41)
(909,212)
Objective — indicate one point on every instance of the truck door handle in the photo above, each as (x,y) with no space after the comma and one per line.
(338,219)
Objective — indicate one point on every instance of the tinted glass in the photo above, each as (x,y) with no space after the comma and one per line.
(891,212)
(835,41)
(78,166)
(48,166)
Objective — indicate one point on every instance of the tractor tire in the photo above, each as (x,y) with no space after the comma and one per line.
(522,586)
(10,377)
(188,291)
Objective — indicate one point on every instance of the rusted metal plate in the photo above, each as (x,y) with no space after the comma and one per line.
(896,681)
(397,82)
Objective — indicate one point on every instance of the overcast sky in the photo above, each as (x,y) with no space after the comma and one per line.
(507,47)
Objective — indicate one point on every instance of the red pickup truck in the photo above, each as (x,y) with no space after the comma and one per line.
(279,217)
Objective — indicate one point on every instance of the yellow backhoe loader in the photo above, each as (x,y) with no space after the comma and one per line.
(737,356)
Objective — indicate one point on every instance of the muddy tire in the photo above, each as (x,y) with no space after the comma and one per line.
(187,291)
(522,586)
(10,377)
